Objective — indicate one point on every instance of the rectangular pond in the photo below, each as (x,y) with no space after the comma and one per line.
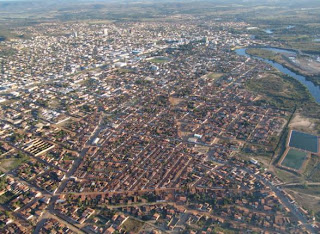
(304,141)
(294,159)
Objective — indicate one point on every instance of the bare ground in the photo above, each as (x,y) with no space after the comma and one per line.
(302,123)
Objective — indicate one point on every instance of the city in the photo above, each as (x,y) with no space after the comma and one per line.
(149,127)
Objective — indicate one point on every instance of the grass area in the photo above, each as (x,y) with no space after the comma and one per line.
(267,54)
(294,159)
(304,141)
(215,75)
(159,60)
(282,144)
(202,149)
(315,174)
(6,51)
(69,156)
(308,189)
(311,167)
(13,162)
(124,70)
(6,197)
(54,103)
(219,229)
(312,110)
(287,177)
(259,150)
(308,46)
(132,225)
(307,202)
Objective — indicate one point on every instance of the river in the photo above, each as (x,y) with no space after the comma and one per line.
(313,89)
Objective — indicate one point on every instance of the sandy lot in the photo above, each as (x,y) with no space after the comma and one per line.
(302,123)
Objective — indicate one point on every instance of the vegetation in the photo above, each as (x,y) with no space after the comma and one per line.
(159,60)
(220,229)
(69,156)
(132,225)
(8,196)
(308,189)
(124,70)
(279,90)
(5,51)
(13,161)
(283,60)
(215,75)
(311,166)
(315,174)
(267,54)
(2,182)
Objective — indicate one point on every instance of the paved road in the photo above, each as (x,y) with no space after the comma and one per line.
(83,152)
(47,215)
(293,209)
(51,213)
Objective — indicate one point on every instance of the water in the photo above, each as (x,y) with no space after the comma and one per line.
(313,89)
(304,141)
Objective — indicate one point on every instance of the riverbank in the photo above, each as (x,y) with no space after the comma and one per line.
(284,61)
(313,89)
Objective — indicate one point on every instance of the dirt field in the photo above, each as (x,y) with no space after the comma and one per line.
(302,123)
(175,101)
(132,225)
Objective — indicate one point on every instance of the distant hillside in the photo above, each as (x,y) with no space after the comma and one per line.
(35,11)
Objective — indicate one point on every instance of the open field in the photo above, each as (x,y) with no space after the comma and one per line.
(10,163)
(307,202)
(311,167)
(132,225)
(287,177)
(315,174)
(215,75)
(175,101)
(302,123)
(159,60)
(313,190)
